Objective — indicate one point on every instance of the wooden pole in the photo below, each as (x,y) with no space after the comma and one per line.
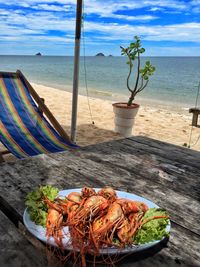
(76,69)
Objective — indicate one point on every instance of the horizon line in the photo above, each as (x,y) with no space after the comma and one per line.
(110,56)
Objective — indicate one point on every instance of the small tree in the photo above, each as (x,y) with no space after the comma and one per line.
(133,52)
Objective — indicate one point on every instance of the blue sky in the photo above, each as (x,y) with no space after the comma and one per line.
(166,27)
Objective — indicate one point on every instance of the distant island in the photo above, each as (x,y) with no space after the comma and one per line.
(100,55)
(38,54)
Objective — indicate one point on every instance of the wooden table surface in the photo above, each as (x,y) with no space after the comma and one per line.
(165,174)
(15,249)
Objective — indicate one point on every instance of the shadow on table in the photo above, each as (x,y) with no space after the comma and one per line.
(129,258)
(87,134)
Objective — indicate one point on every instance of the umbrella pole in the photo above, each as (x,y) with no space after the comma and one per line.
(76,69)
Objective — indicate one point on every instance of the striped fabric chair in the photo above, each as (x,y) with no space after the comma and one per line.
(24,130)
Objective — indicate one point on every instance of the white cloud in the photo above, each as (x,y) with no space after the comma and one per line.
(39,23)
(107,8)
(47,7)
(29,2)
(156,9)
(111,6)
(47,16)
(195,6)
(177,32)
(135,18)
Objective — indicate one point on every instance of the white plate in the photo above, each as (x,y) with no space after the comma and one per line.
(40,232)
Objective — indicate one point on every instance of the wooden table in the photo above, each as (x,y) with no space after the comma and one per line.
(166,174)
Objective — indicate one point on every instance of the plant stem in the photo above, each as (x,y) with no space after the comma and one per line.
(130,70)
(131,99)
(134,91)
(138,72)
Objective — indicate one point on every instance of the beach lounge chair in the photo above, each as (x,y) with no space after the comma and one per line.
(24,130)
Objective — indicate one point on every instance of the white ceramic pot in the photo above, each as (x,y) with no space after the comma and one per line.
(124,118)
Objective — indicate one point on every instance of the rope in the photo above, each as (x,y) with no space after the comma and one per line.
(85,69)
(196,102)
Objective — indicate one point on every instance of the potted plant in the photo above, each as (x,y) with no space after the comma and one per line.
(125,112)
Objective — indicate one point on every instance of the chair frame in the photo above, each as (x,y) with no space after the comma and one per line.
(41,105)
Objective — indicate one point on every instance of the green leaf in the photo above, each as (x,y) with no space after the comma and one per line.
(133,52)
(154,229)
(132,45)
(37,208)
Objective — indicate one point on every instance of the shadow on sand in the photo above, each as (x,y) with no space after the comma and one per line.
(88,134)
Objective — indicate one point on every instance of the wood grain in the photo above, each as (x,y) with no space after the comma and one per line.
(155,170)
(15,250)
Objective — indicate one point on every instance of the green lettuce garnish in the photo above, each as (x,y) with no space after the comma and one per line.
(154,229)
(37,208)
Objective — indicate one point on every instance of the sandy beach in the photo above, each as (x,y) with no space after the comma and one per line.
(152,121)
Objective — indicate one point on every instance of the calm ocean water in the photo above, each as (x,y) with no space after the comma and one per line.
(174,82)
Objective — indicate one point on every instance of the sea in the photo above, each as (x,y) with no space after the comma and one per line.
(173,85)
